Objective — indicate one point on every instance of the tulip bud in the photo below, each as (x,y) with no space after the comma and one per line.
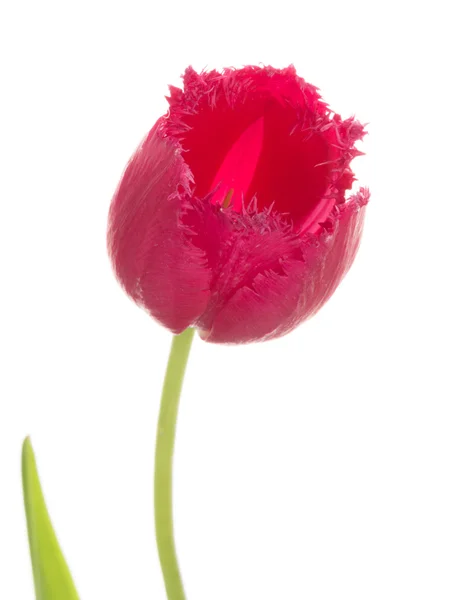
(232,216)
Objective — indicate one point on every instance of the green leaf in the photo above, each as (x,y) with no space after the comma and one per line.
(52,578)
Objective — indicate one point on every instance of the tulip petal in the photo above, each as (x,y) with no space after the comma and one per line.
(277,299)
(153,259)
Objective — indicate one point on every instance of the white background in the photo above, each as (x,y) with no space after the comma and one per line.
(314,467)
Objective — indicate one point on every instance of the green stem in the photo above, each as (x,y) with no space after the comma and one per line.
(181,344)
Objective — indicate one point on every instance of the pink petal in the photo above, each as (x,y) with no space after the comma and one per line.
(155,262)
(276,300)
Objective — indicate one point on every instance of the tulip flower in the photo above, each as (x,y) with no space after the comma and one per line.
(233,215)
(233,218)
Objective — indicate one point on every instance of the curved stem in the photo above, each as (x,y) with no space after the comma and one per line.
(165,440)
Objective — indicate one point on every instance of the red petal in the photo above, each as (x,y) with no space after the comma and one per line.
(279,297)
(152,257)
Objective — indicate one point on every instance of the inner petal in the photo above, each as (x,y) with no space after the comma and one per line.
(293,169)
(263,147)
(235,175)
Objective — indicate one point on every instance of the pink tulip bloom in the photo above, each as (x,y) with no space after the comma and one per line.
(233,214)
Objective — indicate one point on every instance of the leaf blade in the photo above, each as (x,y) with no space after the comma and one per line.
(52,578)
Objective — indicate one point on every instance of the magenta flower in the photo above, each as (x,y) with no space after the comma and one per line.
(232,215)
